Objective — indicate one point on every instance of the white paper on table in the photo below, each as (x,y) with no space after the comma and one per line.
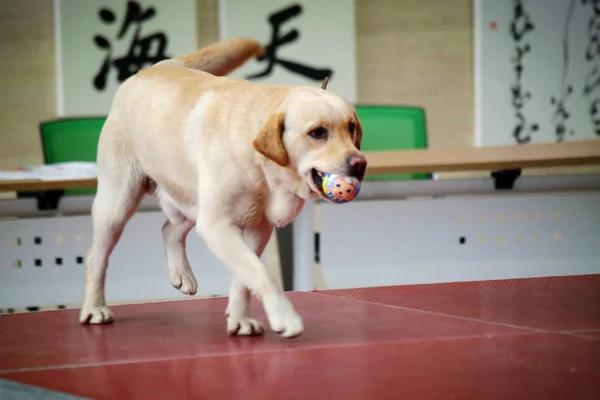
(50,172)
(16,176)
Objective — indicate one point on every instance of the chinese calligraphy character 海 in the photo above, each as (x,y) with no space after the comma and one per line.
(142,51)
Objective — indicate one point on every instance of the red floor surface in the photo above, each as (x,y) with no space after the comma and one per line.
(517,339)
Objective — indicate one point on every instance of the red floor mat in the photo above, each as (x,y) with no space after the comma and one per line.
(531,338)
(555,303)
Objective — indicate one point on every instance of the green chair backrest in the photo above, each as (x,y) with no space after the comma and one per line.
(75,139)
(393,128)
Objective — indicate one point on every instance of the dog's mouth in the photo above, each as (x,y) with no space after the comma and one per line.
(316,177)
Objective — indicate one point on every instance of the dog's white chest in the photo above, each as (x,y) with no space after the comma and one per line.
(283,207)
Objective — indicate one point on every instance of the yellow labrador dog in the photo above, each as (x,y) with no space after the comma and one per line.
(230,158)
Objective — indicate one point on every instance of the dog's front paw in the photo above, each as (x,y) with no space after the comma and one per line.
(183,278)
(282,316)
(96,315)
(243,326)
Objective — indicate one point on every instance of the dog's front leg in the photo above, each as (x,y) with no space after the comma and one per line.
(231,245)
(239,320)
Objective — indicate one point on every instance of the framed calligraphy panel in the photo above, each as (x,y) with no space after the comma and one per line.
(100,43)
(537,71)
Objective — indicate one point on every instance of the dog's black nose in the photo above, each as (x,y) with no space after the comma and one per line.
(357,166)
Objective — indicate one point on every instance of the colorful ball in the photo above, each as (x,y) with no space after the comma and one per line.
(340,189)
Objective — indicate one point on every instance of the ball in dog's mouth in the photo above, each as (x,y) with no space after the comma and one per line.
(337,188)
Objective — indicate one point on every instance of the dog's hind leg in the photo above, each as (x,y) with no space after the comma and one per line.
(174,232)
(120,190)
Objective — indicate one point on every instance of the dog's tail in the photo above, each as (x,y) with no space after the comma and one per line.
(220,58)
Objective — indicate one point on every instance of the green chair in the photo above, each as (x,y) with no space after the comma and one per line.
(73,139)
(393,128)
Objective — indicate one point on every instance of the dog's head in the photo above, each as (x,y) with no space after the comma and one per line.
(313,132)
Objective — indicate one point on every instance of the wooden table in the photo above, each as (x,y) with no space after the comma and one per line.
(491,159)
(569,154)
(29,185)
(579,153)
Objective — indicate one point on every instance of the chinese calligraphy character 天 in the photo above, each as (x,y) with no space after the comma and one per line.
(276,20)
(142,51)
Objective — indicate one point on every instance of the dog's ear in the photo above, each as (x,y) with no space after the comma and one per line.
(358,134)
(269,141)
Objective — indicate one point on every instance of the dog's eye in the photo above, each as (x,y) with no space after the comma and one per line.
(319,133)
(352,128)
